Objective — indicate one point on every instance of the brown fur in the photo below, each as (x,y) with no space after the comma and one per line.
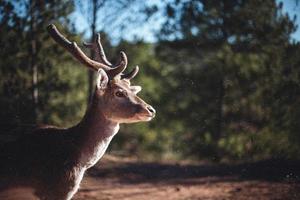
(53,160)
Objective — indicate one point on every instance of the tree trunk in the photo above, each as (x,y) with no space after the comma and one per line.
(219,119)
(221,88)
(92,53)
(33,61)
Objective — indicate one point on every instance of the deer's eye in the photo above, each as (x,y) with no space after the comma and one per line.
(120,94)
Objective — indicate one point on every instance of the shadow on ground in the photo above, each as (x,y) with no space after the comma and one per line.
(128,179)
(114,178)
(135,172)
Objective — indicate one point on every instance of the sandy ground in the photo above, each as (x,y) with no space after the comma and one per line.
(132,180)
(128,179)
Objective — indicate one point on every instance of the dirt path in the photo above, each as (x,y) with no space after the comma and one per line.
(208,189)
(129,180)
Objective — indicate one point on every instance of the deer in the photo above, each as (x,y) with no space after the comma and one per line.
(54,160)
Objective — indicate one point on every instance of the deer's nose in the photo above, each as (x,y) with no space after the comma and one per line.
(151,110)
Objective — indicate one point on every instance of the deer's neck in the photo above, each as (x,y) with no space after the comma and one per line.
(95,132)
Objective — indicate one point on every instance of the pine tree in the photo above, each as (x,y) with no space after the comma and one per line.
(41,83)
(228,52)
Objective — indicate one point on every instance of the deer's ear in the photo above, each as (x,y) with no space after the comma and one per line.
(102,80)
(135,89)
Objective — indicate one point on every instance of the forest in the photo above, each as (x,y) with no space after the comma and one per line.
(225,80)
(223,76)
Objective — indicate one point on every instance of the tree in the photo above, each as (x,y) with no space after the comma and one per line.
(102,15)
(32,62)
(226,51)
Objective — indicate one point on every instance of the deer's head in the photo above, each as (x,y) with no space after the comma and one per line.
(114,94)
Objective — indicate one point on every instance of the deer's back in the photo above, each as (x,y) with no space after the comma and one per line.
(36,155)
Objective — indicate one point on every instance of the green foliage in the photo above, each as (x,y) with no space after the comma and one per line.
(230,89)
(61,86)
(224,78)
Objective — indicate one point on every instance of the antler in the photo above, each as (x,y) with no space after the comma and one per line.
(97,47)
(100,56)
(131,74)
(102,63)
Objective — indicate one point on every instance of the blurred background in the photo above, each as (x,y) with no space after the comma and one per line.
(224,76)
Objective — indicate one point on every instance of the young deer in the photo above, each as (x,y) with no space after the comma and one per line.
(53,160)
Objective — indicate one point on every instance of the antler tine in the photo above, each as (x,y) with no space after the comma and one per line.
(100,56)
(74,49)
(120,67)
(98,48)
(131,74)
